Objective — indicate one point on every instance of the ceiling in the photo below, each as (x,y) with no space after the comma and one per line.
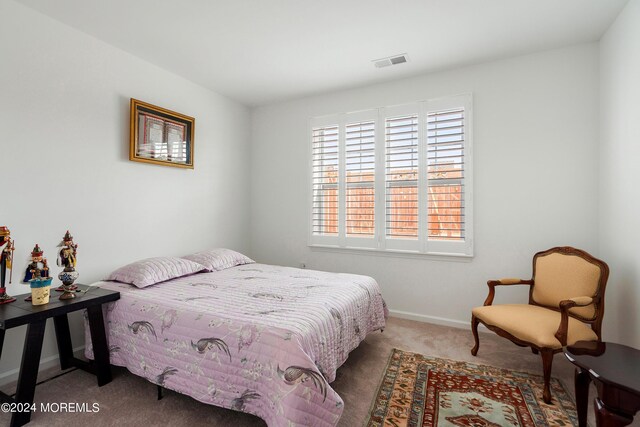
(263,51)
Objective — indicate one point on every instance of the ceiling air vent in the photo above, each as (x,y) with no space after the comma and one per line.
(391,60)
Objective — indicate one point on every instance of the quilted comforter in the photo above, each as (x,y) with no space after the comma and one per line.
(256,338)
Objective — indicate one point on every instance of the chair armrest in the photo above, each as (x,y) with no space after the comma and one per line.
(503,282)
(510,281)
(577,302)
(565,305)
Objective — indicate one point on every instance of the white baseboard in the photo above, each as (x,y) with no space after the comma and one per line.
(433,319)
(46,363)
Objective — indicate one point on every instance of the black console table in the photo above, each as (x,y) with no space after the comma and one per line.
(23,313)
(615,371)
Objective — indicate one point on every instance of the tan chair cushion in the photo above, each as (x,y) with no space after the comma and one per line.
(533,324)
(560,277)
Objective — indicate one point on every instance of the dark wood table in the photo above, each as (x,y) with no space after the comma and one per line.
(35,316)
(615,371)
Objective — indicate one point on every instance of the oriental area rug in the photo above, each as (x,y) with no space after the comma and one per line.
(421,391)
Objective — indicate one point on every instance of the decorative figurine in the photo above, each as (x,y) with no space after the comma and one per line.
(37,275)
(38,267)
(6,260)
(67,259)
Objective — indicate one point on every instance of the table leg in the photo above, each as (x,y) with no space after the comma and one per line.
(607,418)
(29,370)
(2,331)
(100,347)
(582,381)
(63,338)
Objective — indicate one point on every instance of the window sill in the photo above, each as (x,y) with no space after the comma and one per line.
(436,256)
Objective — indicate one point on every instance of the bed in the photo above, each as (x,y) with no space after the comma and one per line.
(256,338)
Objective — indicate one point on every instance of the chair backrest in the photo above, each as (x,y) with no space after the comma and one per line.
(565,272)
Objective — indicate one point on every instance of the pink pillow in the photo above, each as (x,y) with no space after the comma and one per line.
(219,259)
(150,271)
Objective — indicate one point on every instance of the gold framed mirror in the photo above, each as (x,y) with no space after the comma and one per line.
(160,136)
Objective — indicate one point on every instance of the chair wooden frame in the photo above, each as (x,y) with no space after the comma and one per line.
(564,307)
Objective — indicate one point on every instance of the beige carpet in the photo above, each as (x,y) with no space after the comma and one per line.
(130,400)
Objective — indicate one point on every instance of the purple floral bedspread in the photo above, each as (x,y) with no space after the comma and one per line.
(256,338)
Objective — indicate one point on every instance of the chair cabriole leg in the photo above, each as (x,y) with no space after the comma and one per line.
(474,329)
(547,361)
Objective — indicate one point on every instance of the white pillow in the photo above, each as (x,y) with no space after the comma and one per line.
(219,259)
(150,271)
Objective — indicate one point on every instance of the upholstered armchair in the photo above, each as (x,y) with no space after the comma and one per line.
(566,305)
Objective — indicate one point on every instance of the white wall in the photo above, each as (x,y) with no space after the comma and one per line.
(64,158)
(64,140)
(619,199)
(536,134)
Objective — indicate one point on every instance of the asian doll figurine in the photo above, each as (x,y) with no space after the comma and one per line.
(37,272)
(67,259)
(6,260)
(67,252)
(38,267)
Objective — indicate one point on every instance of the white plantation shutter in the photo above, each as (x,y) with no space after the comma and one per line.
(445,157)
(401,177)
(360,179)
(394,179)
(325,162)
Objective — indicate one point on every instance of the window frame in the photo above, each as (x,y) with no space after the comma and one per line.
(379,242)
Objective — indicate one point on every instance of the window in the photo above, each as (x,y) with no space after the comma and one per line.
(394,179)
(401,177)
(360,163)
(325,181)
(445,170)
